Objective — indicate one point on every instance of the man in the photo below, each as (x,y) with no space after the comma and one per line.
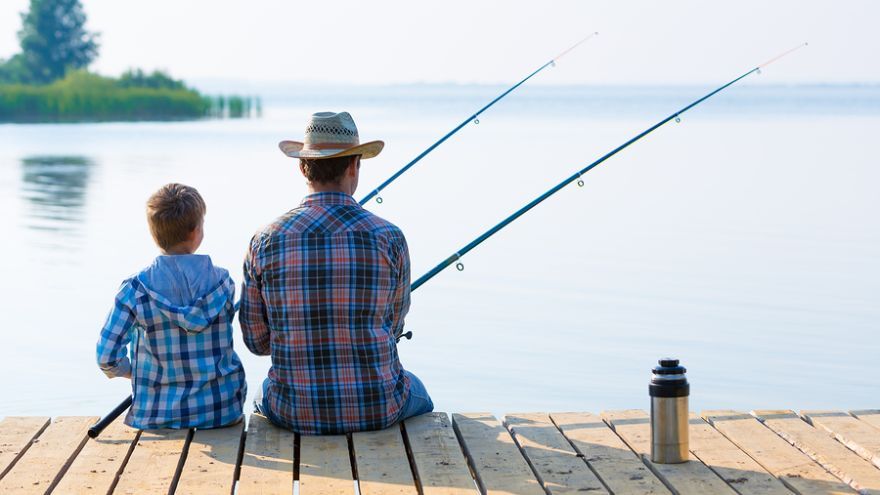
(326,289)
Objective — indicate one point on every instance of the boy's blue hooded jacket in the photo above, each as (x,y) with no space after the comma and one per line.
(177,315)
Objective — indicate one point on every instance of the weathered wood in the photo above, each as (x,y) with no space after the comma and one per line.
(777,456)
(619,467)
(554,460)
(495,460)
(211,460)
(382,464)
(733,465)
(692,477)
(41,465)
(324,465)
(441,468)
(97,467)
(16,435)
(861,438)
(267,462)
(870,416)
(152,467)
(828,452)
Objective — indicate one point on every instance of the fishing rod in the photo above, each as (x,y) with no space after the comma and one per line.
(104,422)
(473,118)
(578,176)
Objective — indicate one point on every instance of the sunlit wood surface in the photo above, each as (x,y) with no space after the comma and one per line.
(732,452)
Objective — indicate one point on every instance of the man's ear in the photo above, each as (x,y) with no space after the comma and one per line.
(352,165)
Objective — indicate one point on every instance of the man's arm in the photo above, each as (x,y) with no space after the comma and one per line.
(112,348)
(252,314)
(401,300)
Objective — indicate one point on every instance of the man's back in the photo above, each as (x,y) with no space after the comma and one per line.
(326,288)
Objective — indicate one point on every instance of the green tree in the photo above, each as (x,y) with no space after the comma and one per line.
(54,39)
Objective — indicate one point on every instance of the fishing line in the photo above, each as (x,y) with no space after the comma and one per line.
(473,118)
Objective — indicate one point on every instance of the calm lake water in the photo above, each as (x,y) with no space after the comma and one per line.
(744,240)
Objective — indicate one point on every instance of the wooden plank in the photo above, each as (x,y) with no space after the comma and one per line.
(692,477)
(618,466)
(440,465)
(324,465)
(382,464)
(97,467)
(495,460)
(152,467)
(41,465)
(16,435)
(870,416)
(822,448)
(558,467)
(861,438)
(791,466)
(267,462)
(211,461)
(733,465)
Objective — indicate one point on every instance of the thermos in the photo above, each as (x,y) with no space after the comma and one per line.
(669,391)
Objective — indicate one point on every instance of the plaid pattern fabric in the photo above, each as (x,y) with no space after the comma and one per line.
(185,372)
(326,287)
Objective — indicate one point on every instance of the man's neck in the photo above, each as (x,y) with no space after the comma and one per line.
(318,187)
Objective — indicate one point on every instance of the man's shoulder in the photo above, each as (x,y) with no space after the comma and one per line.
(378,225)
(329,220)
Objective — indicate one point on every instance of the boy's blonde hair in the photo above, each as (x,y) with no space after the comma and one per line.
(173,212)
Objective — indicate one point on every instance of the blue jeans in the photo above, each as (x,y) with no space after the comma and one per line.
(419,402)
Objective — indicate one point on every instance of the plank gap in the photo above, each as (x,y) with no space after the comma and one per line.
(124,463)
(523,453)
(296,457)
(481,487)
(581,455)
(181,462)
(642,458)
(66,465)
(411,458)
(352,460)
(24,449)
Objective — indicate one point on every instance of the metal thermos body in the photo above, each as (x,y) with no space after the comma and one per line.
(669,391)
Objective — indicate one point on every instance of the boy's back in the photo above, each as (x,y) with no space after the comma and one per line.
(177,315)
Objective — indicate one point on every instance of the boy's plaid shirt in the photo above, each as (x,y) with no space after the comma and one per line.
(185,372)
(326,288)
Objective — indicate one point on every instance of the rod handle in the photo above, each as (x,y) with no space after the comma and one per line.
(102,423)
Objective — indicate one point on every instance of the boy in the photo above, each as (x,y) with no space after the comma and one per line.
(177,314)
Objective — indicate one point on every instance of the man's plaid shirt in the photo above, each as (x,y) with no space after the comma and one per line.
(326,288)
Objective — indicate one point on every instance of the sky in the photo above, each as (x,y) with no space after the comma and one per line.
(486,41)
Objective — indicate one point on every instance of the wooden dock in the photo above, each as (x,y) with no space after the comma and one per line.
(762,452)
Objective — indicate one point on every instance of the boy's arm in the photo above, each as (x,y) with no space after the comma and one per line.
(112,350)
(400,304)
(252,313)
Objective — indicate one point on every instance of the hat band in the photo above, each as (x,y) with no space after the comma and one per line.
(329,146)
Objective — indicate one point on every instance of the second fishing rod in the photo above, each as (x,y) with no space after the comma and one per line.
(578,178)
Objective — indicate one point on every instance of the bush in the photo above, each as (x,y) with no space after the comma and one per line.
(82,96)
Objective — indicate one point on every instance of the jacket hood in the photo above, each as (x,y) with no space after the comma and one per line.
(188,291)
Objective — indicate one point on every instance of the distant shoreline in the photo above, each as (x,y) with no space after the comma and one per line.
(83,97)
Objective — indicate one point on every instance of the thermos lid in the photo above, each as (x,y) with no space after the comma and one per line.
(669,379)
(669,366)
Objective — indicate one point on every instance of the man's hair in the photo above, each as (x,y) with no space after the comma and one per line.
(173,212)
(325,170)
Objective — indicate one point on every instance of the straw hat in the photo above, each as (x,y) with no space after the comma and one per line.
(328,135)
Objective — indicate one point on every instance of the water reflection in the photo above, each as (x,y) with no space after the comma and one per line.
(55,189)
